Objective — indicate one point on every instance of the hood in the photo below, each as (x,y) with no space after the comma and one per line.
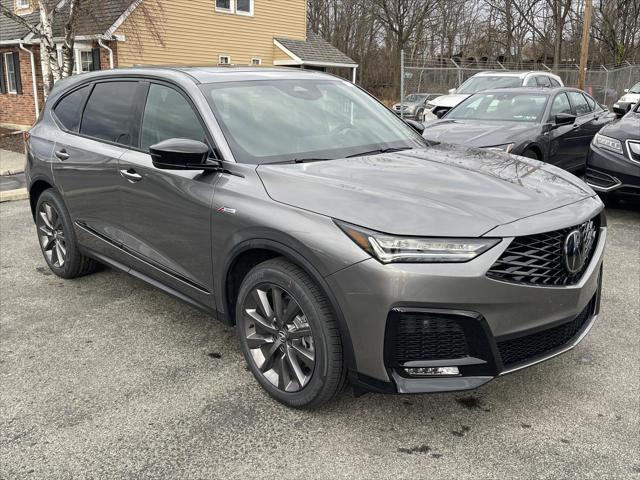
(478,133)
(443,190)
(406,104)
(630,97)
(449,101)
(627,128)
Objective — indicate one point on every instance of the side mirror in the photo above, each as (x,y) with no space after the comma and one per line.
(620,110)
(179,154)
(417,126)
(626,90)
(441,113)
(565,119)
(452,91)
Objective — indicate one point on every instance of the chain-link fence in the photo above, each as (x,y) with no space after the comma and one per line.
(605,83)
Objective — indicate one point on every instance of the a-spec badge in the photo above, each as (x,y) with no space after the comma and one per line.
(230,211)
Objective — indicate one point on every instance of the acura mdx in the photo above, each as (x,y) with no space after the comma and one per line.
(339,242)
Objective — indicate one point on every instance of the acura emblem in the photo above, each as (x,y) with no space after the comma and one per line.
(574,251)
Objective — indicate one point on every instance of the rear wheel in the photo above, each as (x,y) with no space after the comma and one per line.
(529,153)
(57,238)
(288,335)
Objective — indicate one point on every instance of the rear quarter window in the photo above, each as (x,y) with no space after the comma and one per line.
(68,110)
(109,112)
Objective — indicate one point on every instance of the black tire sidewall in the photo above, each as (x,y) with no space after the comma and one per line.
(316,317)
(73,256)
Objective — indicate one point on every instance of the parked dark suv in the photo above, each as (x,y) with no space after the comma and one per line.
(339,241)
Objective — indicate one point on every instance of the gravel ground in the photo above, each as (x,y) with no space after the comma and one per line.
(106,377)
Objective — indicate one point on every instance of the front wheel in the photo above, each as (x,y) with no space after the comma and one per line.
(289,335)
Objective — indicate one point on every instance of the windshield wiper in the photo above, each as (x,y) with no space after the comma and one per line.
(379,151)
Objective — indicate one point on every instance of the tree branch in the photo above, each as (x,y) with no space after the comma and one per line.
(7,12)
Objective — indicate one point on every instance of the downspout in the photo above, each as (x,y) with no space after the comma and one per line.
(108,49)
(33,79)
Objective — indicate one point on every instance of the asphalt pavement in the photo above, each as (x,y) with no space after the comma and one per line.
(107,377)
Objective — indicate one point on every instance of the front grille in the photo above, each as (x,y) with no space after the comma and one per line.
(538,259)
(414,336)
(633,147)
(524,348)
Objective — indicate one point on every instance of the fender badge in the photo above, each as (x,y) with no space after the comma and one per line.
(230,211)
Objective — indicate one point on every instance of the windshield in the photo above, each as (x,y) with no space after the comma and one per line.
(414,98)
(477,84)
(267,121)
(635,88)
(510,107)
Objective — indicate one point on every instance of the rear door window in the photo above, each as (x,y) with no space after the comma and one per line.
(168,114)
(68,111)
(109,112)
(543,81)
(579,103)
(530,82)
(554,82)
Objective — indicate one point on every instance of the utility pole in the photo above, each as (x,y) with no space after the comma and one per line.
(584,46)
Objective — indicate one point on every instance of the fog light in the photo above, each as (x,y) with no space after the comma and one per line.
(432,371)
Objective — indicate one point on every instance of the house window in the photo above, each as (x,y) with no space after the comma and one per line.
(224,5)
(244,7)
(84,61)
(22,4)
(256,61)
(10,73)
(224,60)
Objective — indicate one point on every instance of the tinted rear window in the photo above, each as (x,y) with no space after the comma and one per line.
(109,112)
(69,109)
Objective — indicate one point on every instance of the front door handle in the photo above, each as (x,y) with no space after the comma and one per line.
(131,175)
(62,154)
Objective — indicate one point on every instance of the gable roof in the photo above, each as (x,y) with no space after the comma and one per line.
(95,18)
(315,50)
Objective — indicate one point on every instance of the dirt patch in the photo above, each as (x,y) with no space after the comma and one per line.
(9,140)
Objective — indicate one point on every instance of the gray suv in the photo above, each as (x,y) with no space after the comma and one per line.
(340,242)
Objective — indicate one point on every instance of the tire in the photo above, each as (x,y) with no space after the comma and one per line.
(296,354)
(420,115)
(57,238)
(610,199)
(529,153)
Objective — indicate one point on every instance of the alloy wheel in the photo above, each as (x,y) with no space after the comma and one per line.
(279,337)
(51,235)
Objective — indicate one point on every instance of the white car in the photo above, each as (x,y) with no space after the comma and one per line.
(631,96)
(485,80)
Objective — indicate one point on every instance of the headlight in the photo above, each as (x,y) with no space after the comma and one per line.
(608,143)
(507,147)
(393,249)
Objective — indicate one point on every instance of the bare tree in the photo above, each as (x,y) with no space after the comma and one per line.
(53,67)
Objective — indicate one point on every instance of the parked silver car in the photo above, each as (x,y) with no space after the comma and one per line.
(484,81)
(414,104)
(339,242)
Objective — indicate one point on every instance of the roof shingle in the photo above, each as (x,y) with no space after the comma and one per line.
(96,18)
(315,49)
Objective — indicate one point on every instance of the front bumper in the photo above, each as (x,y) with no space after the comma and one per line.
(489,311)
(609,172)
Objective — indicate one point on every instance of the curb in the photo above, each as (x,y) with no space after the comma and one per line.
(13,195)
(7,173)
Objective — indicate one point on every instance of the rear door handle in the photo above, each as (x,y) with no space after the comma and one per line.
(62,154)
(131,175)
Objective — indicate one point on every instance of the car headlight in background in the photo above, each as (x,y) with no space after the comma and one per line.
(396,249)
(507,147)
(608,143)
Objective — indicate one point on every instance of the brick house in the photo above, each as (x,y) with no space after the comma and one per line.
(113,33)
